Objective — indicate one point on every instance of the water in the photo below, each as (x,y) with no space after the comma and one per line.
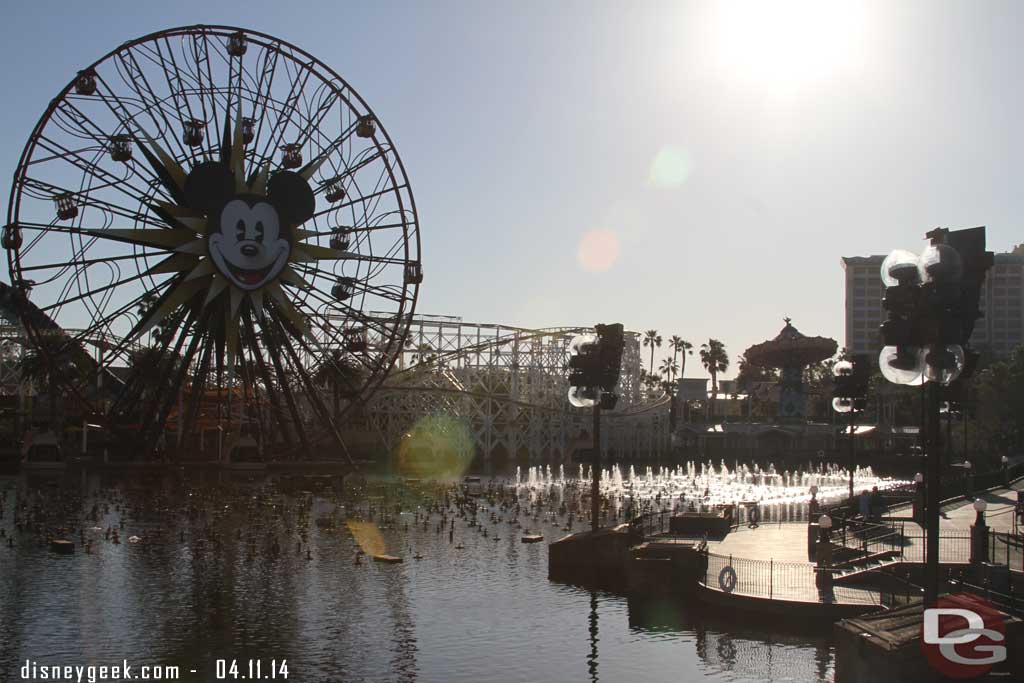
(485,612)
(693,486)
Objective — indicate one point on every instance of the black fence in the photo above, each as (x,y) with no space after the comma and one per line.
(771,579)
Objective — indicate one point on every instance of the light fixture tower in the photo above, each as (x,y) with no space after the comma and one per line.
(593,375)
(932,304)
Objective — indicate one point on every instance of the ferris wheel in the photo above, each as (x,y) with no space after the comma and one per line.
(213,224)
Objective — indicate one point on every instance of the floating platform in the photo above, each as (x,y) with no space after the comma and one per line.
(886,646)
(715,523)
(62,546)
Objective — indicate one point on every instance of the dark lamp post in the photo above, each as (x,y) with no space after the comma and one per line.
(932,304)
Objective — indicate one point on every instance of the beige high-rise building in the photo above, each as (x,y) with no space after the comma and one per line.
(1000,331)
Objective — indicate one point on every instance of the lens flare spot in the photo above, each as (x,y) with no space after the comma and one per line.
(437,447)
(670,168)
(598,250)
(368,536)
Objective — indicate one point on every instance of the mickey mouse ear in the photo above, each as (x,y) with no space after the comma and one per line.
(292,195)
(208,186)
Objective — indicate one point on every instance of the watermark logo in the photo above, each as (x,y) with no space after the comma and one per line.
(963,636)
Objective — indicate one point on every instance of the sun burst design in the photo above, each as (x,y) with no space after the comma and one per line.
(232,237)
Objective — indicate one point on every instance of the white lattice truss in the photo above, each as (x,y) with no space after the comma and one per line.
(508,386)
(12,348)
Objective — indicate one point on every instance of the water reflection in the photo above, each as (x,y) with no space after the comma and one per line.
(254,566)
(592,657)
(746,647)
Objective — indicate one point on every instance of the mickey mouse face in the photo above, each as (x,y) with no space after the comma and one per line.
(248,248)
(248,235)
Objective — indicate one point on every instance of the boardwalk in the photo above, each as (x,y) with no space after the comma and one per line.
(772,560)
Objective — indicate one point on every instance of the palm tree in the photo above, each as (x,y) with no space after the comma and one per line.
(680,345)
(652,339)
(424,355)
(42,367)
(653,380)
(715,360)
(669,367)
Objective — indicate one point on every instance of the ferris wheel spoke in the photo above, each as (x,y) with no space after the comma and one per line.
(249,334)
(117,107)
(364,287)
(105,321)
(350,314)
(280,126)
(371,205)
(312,395)
(175,87)
(92,292)
(136,381)
(137,80)
(81,262)
(270,337)
(90,169)
(360,199)
(51,190)
(264,87)
(307,131)
(202,50)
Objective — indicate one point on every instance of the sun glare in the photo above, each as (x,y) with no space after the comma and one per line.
(789,43)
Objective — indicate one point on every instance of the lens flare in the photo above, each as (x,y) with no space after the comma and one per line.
(670,168)
(368,536)
(437,447)
(598,250)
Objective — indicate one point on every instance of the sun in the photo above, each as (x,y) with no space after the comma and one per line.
(787,44)
(231,235)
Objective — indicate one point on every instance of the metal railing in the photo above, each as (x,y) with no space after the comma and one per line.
(1006,548)
(871,539)
(771,579)
(1008,602)
(649,524)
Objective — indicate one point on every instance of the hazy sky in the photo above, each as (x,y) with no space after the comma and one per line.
(694,167)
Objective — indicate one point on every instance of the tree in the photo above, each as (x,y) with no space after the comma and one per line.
(669,367)
(751,380)
(653,381)
(997,393)
(341,374)
(715,360)
(749,374)
(818,382)
(424,355)
(54,358)
(680,346)
(652,339)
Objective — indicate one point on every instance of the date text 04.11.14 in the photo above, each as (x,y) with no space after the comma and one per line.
(252,670)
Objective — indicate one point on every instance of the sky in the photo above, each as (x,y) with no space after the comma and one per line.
(698,168)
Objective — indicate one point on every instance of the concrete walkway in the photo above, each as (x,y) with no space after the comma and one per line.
(780,551)
(785,542)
